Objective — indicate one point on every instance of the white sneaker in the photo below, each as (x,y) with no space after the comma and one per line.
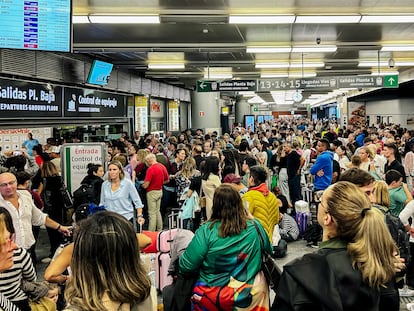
(406,292)
(410,306)
(48,260)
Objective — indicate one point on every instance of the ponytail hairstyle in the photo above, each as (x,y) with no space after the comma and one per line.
(370,244)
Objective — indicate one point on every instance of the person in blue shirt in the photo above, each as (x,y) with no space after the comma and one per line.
(29,143)
(323,166)
(119,195)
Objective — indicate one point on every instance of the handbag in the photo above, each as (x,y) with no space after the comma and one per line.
(67,197)
(270,270)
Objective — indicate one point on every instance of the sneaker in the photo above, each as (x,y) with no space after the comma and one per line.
(48,260)
(406,292)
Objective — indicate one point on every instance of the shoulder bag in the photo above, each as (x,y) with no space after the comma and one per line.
(67,197)
(270,270)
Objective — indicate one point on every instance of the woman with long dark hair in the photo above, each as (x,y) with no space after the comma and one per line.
(226,251)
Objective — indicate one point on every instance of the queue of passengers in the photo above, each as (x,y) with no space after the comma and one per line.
(156,175)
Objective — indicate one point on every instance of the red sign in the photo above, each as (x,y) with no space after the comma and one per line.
(201,113)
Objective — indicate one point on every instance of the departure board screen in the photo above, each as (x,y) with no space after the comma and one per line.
(36,25)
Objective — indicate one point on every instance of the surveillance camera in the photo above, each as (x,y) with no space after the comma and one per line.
(391,63)
(318,40)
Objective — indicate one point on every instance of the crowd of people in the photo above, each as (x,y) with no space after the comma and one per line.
(248,184)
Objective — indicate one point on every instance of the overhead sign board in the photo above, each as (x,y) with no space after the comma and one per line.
(328,83)
(227,85)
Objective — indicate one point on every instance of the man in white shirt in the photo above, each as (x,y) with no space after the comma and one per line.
(24,213)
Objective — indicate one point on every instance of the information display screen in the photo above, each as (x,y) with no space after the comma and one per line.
(36,25)
(99,73)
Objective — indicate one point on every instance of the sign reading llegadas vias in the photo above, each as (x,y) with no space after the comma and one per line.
(25,99)
(91,103)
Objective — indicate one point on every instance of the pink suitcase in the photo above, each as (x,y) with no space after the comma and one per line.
(162,278)
(165,239)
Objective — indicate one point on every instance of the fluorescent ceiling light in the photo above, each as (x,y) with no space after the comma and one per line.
(261,19)
(384,73)
(373,63)
(307,65)
(80,19)
(247,93)
(314,49)
(387,19)
(299,75)
(272,65)
(327,19)
(273,75)
(218,76)
(268,49)
(397,48)
(125,19)
(165,66)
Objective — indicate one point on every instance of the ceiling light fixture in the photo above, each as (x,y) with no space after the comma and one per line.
(268,49)
(397,48)
(327,19)
(272,65)
(261,19)
(273,75)
(381,19)
(80,19)
(385,63)
(165,66)
(314,49)
(124,19)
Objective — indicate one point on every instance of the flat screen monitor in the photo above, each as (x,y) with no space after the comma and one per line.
(260,119)
(99,73)
(249,122)
(36,25)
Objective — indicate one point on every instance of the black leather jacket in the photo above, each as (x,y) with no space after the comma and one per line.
(326,280)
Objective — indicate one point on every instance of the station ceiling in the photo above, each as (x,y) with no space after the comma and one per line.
(201,34)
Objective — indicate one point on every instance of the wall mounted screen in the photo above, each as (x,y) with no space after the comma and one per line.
(99,73)
(36,25)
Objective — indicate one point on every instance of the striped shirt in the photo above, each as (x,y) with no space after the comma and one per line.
(10,280)
(6,305)
(288,228)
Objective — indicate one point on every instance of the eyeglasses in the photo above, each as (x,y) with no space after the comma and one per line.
(10,183)
(10,241)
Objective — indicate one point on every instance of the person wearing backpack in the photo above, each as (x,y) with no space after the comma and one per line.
(91,184)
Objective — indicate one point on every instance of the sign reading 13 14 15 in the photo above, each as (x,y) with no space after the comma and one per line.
(282,84)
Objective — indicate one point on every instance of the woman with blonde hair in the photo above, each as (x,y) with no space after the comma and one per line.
(119,195)
(366,159)
(107,273)
(381,195)
(355,259)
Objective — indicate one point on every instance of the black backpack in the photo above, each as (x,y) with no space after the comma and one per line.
(398,233)
(85,194)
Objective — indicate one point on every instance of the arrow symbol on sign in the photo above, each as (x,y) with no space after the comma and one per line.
(202,85)
(391,80)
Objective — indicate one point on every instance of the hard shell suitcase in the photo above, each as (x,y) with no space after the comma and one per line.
(165,239)
(162,278)
(303,219)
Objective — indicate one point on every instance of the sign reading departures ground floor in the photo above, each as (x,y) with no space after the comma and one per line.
(315,83)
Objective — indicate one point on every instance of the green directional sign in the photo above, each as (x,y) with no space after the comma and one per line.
(255,108)
(391,81)
(207,86)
